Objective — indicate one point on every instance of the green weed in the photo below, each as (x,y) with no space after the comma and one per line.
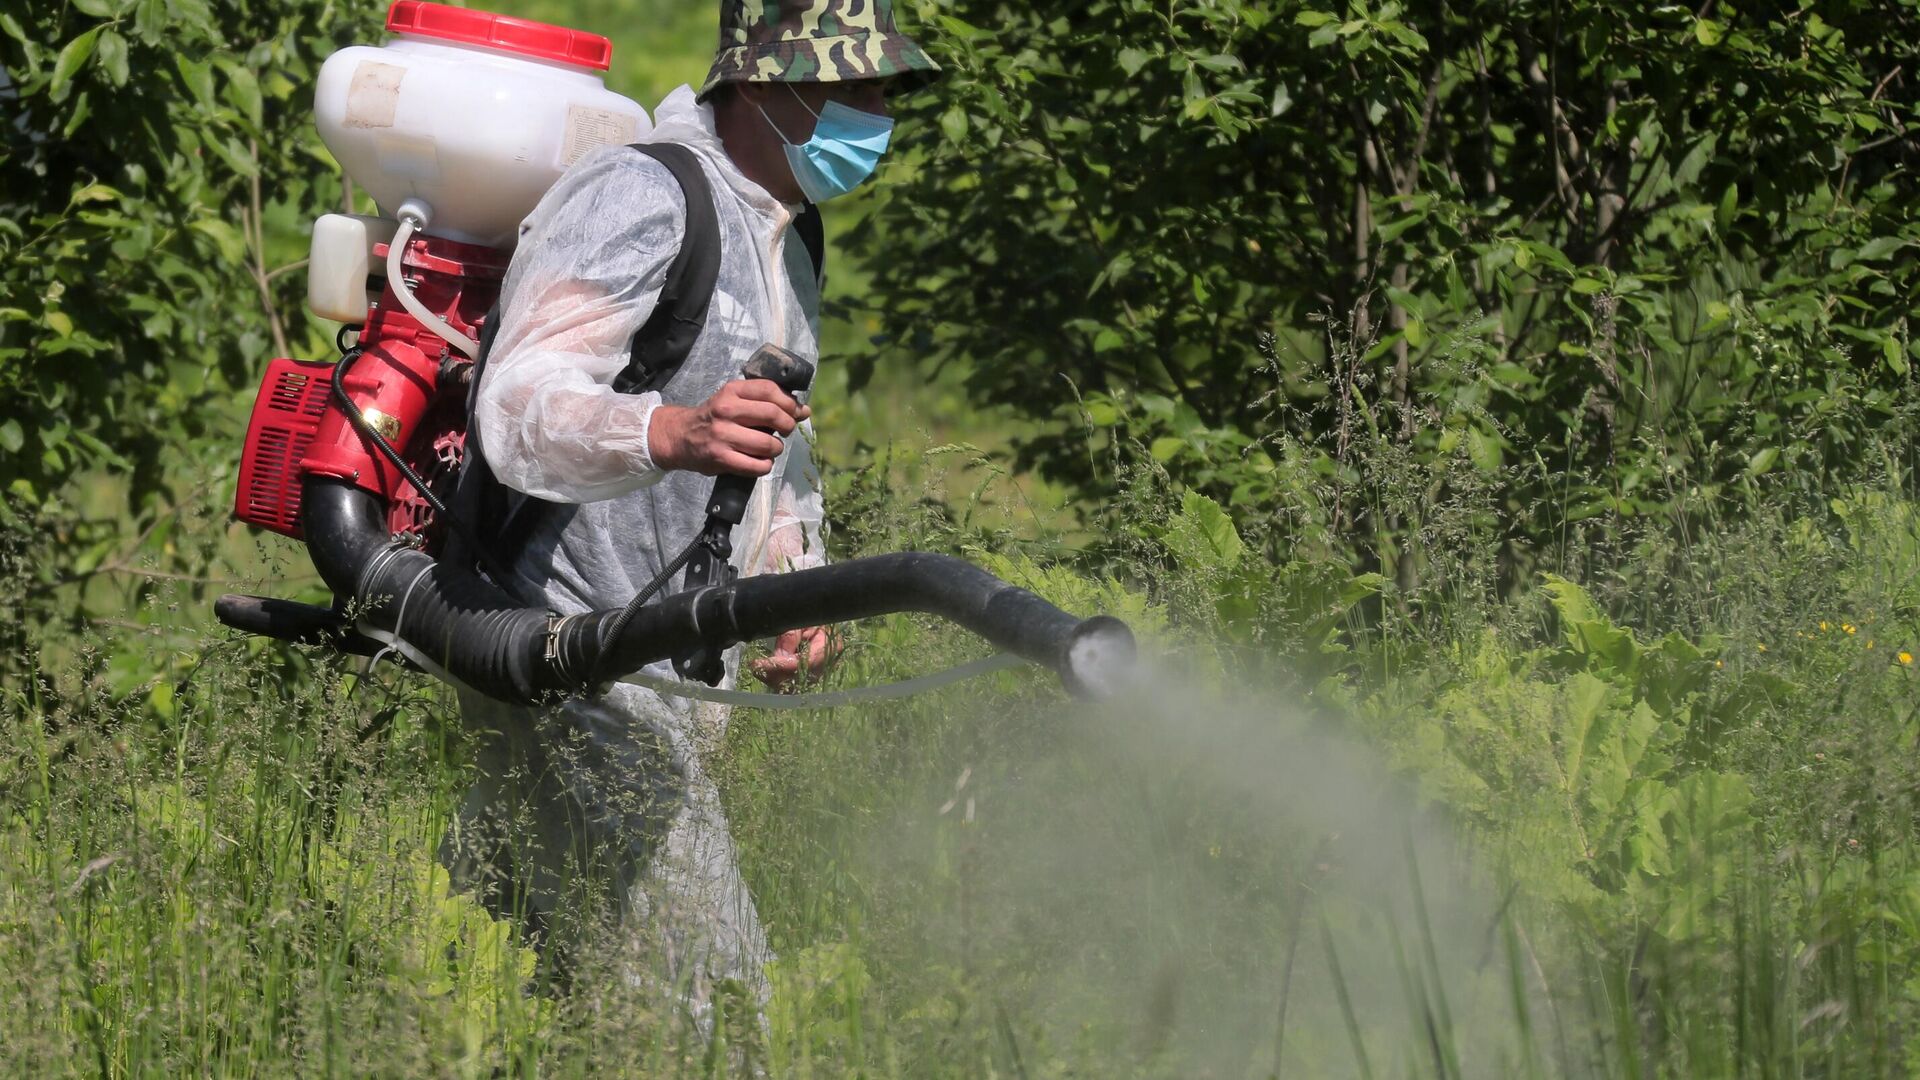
(1683,848)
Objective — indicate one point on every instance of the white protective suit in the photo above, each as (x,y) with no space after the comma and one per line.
(616,783)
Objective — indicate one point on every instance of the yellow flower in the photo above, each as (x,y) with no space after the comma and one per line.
(1719,664)
(1848,627)
(1762,646)
(1869,643)
(1824,626)
(1906,657)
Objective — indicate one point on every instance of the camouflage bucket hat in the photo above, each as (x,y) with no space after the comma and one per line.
(815,41)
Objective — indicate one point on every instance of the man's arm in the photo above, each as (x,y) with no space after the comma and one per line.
(593,258)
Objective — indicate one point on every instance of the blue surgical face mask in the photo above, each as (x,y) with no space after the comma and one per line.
(845,147)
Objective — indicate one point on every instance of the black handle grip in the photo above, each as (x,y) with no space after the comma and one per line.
(728,505)
(788,372)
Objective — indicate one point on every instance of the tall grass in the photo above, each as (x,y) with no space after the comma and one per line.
(1652,818)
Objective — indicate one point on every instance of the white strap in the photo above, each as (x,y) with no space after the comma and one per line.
(825,699)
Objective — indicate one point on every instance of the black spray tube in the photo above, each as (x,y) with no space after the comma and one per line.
(491,642)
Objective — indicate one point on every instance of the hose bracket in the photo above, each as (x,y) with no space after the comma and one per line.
(551,654)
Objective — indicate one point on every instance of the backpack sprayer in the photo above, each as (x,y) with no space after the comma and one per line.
(359,457)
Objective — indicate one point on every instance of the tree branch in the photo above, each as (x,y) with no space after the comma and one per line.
(1560,137)
(257,239)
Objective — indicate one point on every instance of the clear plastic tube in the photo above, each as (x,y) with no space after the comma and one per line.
(413,214)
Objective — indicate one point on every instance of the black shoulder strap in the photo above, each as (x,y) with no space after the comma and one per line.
(813,236)
(661,345)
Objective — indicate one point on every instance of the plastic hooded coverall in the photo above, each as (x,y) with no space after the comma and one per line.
(614,786)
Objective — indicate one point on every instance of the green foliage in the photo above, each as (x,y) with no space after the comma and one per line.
(158,173)
(657,44)
(1572,322)
(197,879)
(1630,242)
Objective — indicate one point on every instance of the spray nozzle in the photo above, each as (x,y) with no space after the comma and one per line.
(1100,659)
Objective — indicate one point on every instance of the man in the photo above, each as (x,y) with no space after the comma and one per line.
(609,793)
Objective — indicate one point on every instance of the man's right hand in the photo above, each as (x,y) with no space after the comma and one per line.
(720,436)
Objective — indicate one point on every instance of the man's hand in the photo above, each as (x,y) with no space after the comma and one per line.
(719,436)
(815,647)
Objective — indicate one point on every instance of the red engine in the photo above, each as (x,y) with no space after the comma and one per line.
(408,383)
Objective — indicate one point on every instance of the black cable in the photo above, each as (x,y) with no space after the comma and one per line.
(393,457)
(640,599)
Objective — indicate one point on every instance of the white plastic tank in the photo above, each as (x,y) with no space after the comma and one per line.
(475,113)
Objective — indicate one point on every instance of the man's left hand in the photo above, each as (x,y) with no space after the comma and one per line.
(814,647)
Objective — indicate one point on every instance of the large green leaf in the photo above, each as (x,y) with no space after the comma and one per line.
(73,56)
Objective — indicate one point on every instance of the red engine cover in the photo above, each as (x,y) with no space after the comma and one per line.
(437,460)
(293,398)
(393,381)
(296,429)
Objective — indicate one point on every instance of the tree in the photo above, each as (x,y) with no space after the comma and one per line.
(1605,236)
(158,174)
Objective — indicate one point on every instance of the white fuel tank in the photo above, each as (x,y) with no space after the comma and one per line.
(340,262)
(476,113)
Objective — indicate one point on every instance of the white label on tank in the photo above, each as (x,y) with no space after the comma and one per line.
(588,127)
(374,94)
